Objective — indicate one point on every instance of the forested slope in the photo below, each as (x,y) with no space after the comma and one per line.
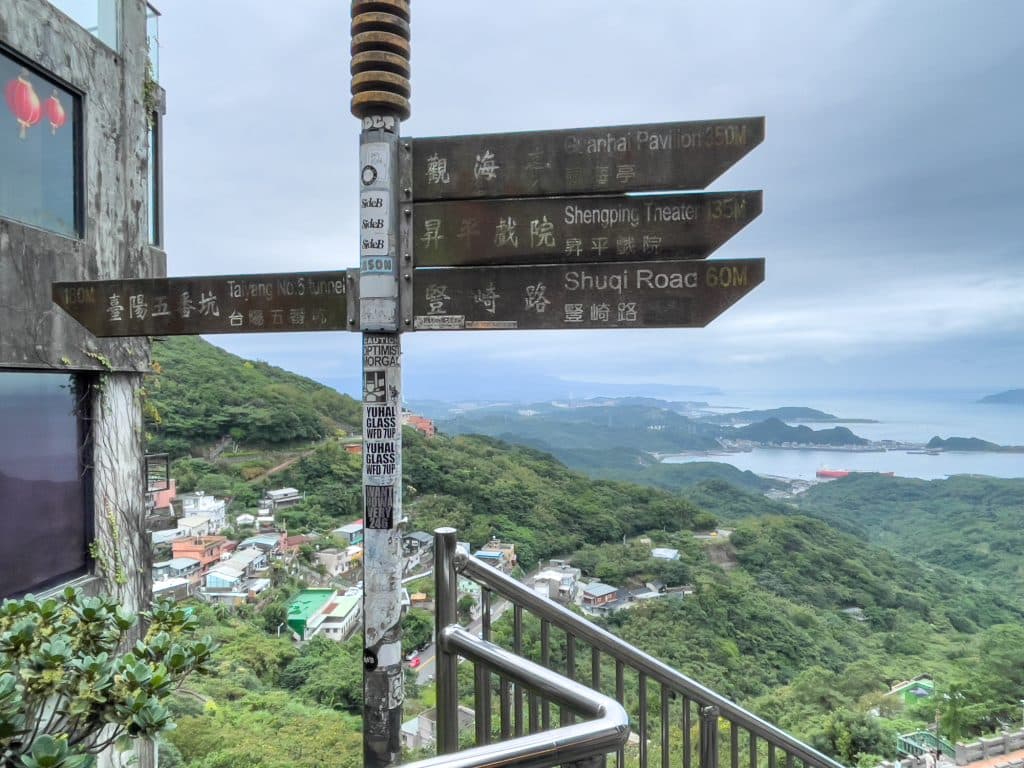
(199,394)
(972,524)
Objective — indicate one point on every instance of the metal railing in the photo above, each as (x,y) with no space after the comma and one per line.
(919,742)
(527,692)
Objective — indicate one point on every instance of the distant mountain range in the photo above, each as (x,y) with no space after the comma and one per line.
(775,431)
(624,438)
(971,444)
(788,413)
(1009,397)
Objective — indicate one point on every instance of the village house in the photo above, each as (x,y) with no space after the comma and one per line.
(419,423)
(421,732)
(281,498)
(195,525)
(187,568)
(206,549)
(351,533)
(498,554)
(558,582)
(269,543)
(599,599)
(199,503)
(664,553)
(337,562)
(324,612)
(173,589)
(237,579)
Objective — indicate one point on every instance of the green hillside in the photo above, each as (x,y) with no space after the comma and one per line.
(972,524)
(804,622)
(200,394)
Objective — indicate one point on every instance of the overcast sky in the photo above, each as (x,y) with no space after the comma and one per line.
(892,167)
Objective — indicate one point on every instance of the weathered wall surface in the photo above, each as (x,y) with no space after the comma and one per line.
(33,332)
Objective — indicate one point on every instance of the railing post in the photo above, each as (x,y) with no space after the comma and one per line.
(446,597)
(709,737)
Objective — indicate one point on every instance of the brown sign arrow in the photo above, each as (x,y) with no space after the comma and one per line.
(658,294)
(578,229)
(186,306)
(624,158)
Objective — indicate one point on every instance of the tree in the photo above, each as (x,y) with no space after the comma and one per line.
(417,630)
(67,692)
(465,608)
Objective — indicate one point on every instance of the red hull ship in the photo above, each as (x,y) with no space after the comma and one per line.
(835,474)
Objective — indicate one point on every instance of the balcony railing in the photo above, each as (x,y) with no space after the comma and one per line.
(689,723)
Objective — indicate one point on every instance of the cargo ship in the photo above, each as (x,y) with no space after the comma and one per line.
(835,474)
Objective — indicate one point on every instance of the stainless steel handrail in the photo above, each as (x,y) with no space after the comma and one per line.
(604,641)
(606,733)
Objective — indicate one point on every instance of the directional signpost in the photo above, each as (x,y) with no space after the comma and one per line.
(579,229)
(517,231)
(577,161)
(643,294)
(168,306)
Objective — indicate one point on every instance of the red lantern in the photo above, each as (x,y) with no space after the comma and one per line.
(23,101)
(55,113)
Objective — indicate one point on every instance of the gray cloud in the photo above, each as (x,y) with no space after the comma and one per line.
(891,170)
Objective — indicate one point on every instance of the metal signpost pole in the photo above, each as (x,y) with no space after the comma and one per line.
(380,91)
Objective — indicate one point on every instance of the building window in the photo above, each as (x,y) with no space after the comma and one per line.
(99,17)
(39,150)
(45,483)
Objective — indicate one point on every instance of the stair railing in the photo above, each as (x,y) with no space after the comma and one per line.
(527,691)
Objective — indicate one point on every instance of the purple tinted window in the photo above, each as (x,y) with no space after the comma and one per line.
(45,523)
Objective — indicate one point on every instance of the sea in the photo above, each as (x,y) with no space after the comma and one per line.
(913,417)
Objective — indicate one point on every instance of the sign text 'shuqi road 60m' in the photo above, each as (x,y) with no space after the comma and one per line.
(656,294)
(623,158)
(579,229)
(173,306)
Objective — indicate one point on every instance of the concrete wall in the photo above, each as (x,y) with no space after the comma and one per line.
(990,747)
(36,334)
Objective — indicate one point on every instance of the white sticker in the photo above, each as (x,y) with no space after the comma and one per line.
(375,165)
(440,322)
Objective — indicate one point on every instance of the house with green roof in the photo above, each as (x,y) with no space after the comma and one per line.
(325,612)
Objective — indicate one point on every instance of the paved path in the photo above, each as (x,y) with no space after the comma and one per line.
(993,762)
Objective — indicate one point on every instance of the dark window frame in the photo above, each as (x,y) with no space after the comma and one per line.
(78,142)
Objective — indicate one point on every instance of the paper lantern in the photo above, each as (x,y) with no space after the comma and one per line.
(23,102)
(55,113)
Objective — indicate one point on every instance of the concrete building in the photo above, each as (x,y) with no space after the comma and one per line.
(79,200)
(187,568)
(75,200)
(206,549)
(665,553)
(351,533)
(558,582)
(337,562)
(325,612)
(281,498)
(421,731)
(199,503)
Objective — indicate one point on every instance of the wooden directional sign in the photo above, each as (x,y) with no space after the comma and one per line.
(579,229)
(655,294)
(174,306)
(624,158)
